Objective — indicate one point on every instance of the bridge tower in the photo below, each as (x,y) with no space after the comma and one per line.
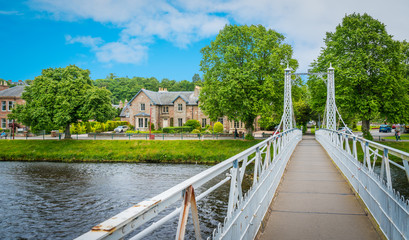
(288,104)
(331,114)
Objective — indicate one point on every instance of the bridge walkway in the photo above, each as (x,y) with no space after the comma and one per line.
(314,201)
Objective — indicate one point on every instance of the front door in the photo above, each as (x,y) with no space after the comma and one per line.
(165,122)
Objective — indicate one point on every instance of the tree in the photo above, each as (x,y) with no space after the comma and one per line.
(368,72)
(61,96)
(195,124)
(244,72)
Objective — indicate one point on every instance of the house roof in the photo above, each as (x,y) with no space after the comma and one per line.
(142,114)
(12,92)
(167,98)
(122,114)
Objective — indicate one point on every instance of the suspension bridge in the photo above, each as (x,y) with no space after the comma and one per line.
(301,187)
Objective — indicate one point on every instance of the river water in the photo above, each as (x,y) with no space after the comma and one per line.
(45,200)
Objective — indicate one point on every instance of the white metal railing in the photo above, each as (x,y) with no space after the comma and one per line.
(245,210)
(390,210)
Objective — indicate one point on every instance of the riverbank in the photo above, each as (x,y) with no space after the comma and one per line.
(176,151)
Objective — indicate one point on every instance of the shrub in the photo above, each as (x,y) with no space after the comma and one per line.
(196,131)
(249,136)
(186,129)
(218,127)
(208,127)
(195,124)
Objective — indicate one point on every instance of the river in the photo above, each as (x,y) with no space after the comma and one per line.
(45,200)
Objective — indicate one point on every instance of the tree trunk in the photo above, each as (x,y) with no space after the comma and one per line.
(67,132)
(366,127)
(249,127)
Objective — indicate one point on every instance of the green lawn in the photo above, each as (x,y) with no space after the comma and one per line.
(178,151)
(402,137)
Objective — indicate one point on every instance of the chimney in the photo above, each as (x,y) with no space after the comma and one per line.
(197,91)
(3,85)
(163,89)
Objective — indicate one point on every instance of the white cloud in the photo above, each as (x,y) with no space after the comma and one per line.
(10,13)
(182,22)
(85,40)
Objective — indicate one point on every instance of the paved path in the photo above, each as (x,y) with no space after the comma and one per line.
(314,201)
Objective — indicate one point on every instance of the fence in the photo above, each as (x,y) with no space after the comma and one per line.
(43,135)
(390,210)
(245,209)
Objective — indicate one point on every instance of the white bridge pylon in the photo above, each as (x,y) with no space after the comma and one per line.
(330,119)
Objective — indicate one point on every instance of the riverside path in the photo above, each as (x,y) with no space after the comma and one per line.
(314,200)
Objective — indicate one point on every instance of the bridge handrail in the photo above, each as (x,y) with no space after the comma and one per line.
(390,210)
(137,215)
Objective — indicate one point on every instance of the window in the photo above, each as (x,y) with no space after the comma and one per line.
(3,106)
(180,107)
(140,121)
(165,109)
(203,122)
(146,122)
(236,124)
(220,120)
(127,114)
(11,105)
(142,106)
(180,122)
(3,123)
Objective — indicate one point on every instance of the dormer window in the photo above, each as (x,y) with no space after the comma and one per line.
(142,106)
(180,107)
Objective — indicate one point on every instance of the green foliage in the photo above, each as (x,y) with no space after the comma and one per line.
(60,97)
(209,127)
(184,129)
(125,88)
(369,70)
(218,127)
(243,71)
(195,124)
(196,131)
(91,127)
(249,136)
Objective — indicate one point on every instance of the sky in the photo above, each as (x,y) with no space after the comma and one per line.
(163,39)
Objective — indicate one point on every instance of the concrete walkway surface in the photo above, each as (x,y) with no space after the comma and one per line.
(314,201)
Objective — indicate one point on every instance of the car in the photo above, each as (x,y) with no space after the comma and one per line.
(119,129)
(344,130)
(393,126)
(385,128)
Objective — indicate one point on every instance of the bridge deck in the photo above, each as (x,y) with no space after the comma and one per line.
(314,201)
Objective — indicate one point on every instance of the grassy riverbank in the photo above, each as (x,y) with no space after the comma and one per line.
(174,151)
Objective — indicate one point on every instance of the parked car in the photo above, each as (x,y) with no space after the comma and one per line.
(119,129)
(385,128)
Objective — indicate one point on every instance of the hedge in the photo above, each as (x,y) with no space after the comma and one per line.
(183,129)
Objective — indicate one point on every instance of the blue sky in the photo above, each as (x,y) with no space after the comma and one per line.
(162,39)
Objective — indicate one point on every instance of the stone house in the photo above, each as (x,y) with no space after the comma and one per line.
(169,109)
(9,97)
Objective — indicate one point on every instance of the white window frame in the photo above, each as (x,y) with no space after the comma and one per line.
(180,122)
(3,123)
(236,124)
(165,109)
(3,105)
(180,107)
(146,122)
(204,122)
(142,106)
(140,122)
(12,105)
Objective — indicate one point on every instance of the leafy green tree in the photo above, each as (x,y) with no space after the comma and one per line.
(60,97)
(368,72)
(244,73)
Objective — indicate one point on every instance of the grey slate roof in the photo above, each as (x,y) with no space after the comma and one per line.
(122,114)
(12,92)
(167,98)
